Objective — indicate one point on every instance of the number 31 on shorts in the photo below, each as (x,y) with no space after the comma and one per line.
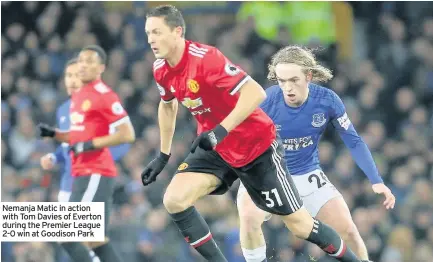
(272,194)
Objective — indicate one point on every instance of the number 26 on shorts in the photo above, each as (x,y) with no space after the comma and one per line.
(272,194)
(321,179)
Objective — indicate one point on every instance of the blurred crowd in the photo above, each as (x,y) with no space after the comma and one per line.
(385,81)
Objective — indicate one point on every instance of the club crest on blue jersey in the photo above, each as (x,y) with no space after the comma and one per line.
(318,120)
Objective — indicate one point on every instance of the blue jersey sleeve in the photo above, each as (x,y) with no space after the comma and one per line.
(119,151)
(58,154)
(358,148)
(267,105)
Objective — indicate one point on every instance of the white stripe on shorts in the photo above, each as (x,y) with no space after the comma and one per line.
(282,177)
(92,187)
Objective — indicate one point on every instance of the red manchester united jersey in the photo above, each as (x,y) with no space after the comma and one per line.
(207,83)
(95,111)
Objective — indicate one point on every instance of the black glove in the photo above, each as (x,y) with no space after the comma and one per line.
(154,168)
(81,147)
(46,130)
(209,139)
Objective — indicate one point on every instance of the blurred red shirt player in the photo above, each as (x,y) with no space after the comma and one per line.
(98,121)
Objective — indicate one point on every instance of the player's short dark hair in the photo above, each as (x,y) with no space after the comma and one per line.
(172,16)
(71,62)
(99,50)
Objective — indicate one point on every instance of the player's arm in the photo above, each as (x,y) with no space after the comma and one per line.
(230,78)
(61,136)
(167,113)
(220,73)
(57,156)
(358,148)
(360,152)
(124,134)
(251,95)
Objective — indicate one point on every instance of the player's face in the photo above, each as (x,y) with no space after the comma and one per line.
(294,83)
(72,78)
(161,38)
(90,66)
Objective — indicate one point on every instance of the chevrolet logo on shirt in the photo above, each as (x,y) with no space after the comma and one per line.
(192,104)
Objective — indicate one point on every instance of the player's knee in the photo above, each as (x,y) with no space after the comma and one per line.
(251,221)
(176,202)
(351,232)
(250,216)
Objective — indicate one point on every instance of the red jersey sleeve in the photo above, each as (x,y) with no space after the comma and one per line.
(112,110)
(222,73)
(164,92)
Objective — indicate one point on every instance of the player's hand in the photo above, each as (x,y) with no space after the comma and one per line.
(154,168)
(46,130)
(209,139)
(81,147)
(384,190)
(47,162)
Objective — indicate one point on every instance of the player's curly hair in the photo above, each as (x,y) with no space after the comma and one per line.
(303,57)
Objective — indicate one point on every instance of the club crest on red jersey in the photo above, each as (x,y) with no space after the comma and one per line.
(193,85)
(86,105)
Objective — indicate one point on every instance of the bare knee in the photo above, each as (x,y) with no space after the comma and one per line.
(251,217)
(299,223)
(176,202)
(186,188)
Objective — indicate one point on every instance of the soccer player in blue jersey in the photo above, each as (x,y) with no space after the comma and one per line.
(301,111)
(61,155)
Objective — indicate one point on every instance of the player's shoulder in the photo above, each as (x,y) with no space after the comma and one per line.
(101,89)
(272,92)
(322,93)
(64,107)
(65,104)
(201,54)
(158,66)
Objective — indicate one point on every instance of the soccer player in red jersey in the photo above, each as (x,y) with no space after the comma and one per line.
(235,139)
(98,121)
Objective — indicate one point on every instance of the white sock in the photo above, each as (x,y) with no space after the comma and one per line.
(255,255)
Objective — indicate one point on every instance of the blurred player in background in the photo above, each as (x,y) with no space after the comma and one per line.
(235,139)
(301,112)
(98,121)
(61,155)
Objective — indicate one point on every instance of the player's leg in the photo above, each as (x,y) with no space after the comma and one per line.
(270,186)
(103,188)
(78,252)
(324,202)
(201,174)
(336,214)
(97,188)
(251,219)
(63,196)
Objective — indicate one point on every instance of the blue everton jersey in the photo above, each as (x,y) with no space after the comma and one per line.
(301,129)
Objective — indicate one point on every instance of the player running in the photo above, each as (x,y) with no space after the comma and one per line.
(61,155)
(98,121)
(301,111)
(235,139)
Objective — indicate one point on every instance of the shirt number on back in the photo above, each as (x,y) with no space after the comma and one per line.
(269,201)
